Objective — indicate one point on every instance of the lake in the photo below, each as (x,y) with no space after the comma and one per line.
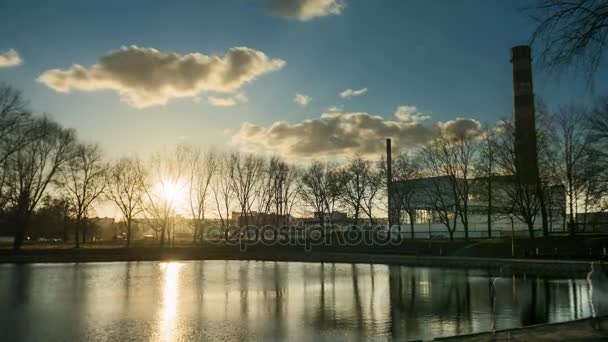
(249,300)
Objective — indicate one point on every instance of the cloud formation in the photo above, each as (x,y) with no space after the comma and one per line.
(146,77)
(10,58)
(341,135)
(302,100)
(227,101)
(352,92)
(305,10)
(410,114)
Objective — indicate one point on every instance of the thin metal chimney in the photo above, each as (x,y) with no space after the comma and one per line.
(526,162)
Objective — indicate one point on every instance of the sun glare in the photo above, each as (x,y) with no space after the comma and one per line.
(173,192)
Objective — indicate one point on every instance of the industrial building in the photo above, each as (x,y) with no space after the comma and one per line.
(427,220)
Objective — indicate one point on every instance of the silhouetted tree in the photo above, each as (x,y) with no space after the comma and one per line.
(520,197)
(125,188)
(16,131)
(486,170)
(406,168)
(221,187)
(245,172)
(83,180)
(572,149)
(32,168)
(357,178)
(571,32)
(162,184)
(202,167)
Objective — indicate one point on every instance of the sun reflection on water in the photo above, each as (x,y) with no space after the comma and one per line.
(168,307)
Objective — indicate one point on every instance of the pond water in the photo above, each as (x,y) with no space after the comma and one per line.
(248,300)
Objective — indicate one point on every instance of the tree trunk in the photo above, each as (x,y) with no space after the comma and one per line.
(531,229)
(543,210)
(22,223)
(411,225)
(76,232)
(162,235)
(128,233)
(84,233)
(490,206)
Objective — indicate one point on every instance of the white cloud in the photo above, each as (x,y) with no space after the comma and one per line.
(340,135)
(302,100)
(353,92)
(334,109)
(10,58)
(410,114)
(305,10)
(146,77)
(228,101)
(461,128)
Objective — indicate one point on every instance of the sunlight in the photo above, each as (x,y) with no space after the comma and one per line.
(169,303)
(173,192)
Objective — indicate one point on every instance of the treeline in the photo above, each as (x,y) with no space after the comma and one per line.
(45,166)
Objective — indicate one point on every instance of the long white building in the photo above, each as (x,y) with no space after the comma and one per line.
(427,198)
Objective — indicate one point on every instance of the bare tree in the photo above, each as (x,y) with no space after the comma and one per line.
(452,156)
(574,147)
(441,190)
(32,168)
(126,190)
(356,177)
(284,189)
(520,197)
(314,183)
(162,186)
(202,168)
(571,32)
(486,170)
(221,187)
(245,172)
(16,131)
(405,170)
(83,180)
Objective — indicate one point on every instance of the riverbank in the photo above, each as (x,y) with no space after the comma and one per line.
(498,266)
(580,330)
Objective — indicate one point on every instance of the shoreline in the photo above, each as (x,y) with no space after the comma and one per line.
(497,266)
(580,329)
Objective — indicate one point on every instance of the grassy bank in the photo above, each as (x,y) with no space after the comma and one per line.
(493,255)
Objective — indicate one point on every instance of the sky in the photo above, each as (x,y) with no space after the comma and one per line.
(299,78)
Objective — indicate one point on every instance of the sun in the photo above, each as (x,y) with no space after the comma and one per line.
(172,191)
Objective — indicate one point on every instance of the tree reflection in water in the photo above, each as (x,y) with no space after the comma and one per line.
(248,300)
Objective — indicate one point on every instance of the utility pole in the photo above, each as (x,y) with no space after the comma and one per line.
(389,183)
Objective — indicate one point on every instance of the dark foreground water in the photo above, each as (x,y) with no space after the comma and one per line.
(241,300)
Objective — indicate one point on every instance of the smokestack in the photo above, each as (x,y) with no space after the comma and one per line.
(526,162)
(389,181)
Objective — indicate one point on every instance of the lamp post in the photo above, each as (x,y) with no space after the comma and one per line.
(512,236)
(429,233)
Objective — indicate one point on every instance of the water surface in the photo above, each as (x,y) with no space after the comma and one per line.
(247,300)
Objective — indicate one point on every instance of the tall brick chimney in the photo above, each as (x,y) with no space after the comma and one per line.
(526,162)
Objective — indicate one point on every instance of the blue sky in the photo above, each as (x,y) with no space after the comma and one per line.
(449,59)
